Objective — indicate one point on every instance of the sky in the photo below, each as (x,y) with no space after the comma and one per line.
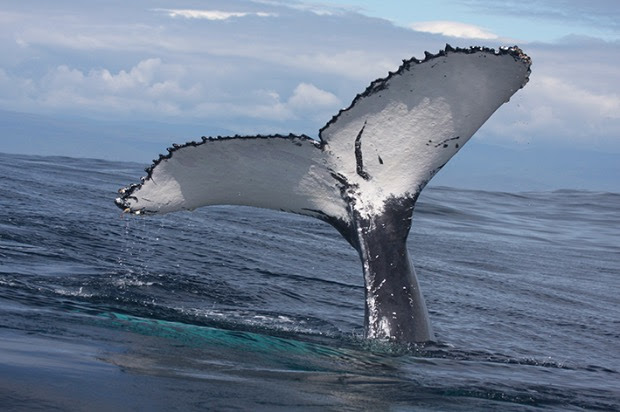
(124,80)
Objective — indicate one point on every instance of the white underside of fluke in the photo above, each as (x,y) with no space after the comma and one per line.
(287,174)
(418,121)
(388,143)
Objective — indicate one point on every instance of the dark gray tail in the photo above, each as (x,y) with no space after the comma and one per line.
(395,306)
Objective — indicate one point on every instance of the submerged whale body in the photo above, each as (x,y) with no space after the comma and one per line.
(363,176)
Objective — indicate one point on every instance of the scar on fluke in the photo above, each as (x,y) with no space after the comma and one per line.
(369,203)
(358,155)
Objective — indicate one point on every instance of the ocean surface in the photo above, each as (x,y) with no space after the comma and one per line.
(233,308)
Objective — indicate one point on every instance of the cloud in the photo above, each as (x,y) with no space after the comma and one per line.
(454,29)
(150,87)
(562,111)
(558,111)
(90,61)
(600,14)
(306,102)
(579,100)
(212,14)
(355,64)
(16,93)
(153,88)
(315,8)
(307,96)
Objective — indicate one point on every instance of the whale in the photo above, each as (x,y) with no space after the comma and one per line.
(363,175)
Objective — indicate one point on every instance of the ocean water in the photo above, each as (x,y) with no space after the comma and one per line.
(232,308)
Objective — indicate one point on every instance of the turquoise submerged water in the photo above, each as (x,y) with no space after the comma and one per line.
(231,308)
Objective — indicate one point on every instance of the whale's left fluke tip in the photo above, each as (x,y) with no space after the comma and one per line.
(121,204)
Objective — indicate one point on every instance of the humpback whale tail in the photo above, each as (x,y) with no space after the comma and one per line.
(363,176)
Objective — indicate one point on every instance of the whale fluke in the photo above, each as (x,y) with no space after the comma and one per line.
(363,175)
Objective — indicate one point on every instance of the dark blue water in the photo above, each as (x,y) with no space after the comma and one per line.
(231,308)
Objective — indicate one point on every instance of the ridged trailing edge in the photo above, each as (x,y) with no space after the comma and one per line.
(374,87)
(378,84)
